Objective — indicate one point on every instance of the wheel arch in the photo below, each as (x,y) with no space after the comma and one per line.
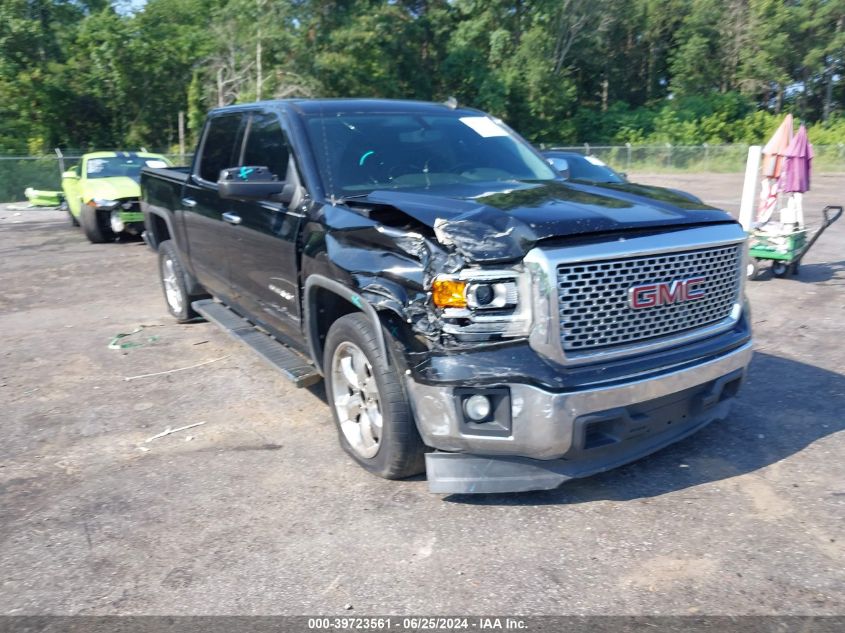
(338,300)
(158,228)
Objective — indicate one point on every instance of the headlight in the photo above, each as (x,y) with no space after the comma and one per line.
(103,203)
(480,304)
(491,296)
(447,292)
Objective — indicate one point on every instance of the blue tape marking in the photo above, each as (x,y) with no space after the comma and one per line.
(357,301)
(245,172)
(364,157)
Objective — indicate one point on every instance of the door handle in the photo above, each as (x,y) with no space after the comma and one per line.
(189,202)
(231,218)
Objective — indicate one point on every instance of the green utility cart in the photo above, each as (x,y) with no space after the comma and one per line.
(784,249)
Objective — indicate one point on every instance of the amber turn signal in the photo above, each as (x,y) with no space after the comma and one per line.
(449,293)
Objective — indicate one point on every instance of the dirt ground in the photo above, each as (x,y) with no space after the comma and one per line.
(258,511)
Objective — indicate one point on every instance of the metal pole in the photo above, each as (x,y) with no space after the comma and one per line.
(181,137)
(628,162)
(749,186)
(61,162)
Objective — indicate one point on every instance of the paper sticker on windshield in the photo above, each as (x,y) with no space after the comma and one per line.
(595,161)
(484,126)
(96,165)
(156,164)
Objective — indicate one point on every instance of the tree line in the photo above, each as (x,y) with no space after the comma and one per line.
(93,73)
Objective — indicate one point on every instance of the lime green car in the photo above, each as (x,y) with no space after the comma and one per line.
(102,193)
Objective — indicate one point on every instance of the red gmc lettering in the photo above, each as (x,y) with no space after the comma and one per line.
(666,293)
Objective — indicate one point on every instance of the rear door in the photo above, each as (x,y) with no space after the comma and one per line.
(209,238)
(264,271)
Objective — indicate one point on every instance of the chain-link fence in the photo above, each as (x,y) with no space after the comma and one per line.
(693,158)
(44,172)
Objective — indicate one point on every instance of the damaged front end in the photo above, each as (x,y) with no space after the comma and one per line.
(477,298)
(125,216)
(456,282)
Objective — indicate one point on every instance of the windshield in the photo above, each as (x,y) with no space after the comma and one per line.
(129,166)
(359,153)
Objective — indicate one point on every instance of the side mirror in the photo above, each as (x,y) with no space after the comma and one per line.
(249,183)
(561,165)
(70,174)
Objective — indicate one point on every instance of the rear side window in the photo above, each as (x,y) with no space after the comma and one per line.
(220,149)
(266,145)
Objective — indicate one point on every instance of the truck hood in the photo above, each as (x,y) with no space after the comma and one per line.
(116,188)
(505,225)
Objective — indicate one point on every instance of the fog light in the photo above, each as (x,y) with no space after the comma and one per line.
(477,407)
(116,223)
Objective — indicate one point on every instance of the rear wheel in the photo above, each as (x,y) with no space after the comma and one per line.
(96,225)
(373,416)
(752,270)
(173,283)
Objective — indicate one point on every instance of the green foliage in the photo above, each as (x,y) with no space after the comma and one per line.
(830,133)
(82,74)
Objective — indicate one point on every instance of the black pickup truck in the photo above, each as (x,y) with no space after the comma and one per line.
(472,313)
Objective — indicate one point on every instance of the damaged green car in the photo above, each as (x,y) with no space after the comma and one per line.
(102,191)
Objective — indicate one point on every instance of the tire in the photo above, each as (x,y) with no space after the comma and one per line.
(173,285)
(394,450)
(752,268)
(64,206)
(780,269)
(95,225)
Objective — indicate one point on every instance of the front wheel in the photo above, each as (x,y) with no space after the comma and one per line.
(373,416)
(173,283)
(96,225)
(780,269)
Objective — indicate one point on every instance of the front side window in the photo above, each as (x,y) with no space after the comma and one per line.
(266,145)
(220,149)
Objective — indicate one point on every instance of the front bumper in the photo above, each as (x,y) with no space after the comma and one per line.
(558,436)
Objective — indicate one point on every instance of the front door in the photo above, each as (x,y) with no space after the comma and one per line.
(264,272)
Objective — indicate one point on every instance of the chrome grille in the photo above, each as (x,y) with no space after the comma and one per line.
(594,310)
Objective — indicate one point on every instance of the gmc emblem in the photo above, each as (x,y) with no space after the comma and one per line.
(666,293)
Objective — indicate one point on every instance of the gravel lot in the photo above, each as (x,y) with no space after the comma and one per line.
(262,513)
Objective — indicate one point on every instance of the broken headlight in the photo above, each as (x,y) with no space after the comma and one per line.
(103,203)
(480,304)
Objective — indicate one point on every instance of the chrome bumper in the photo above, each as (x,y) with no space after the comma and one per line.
(543,424)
